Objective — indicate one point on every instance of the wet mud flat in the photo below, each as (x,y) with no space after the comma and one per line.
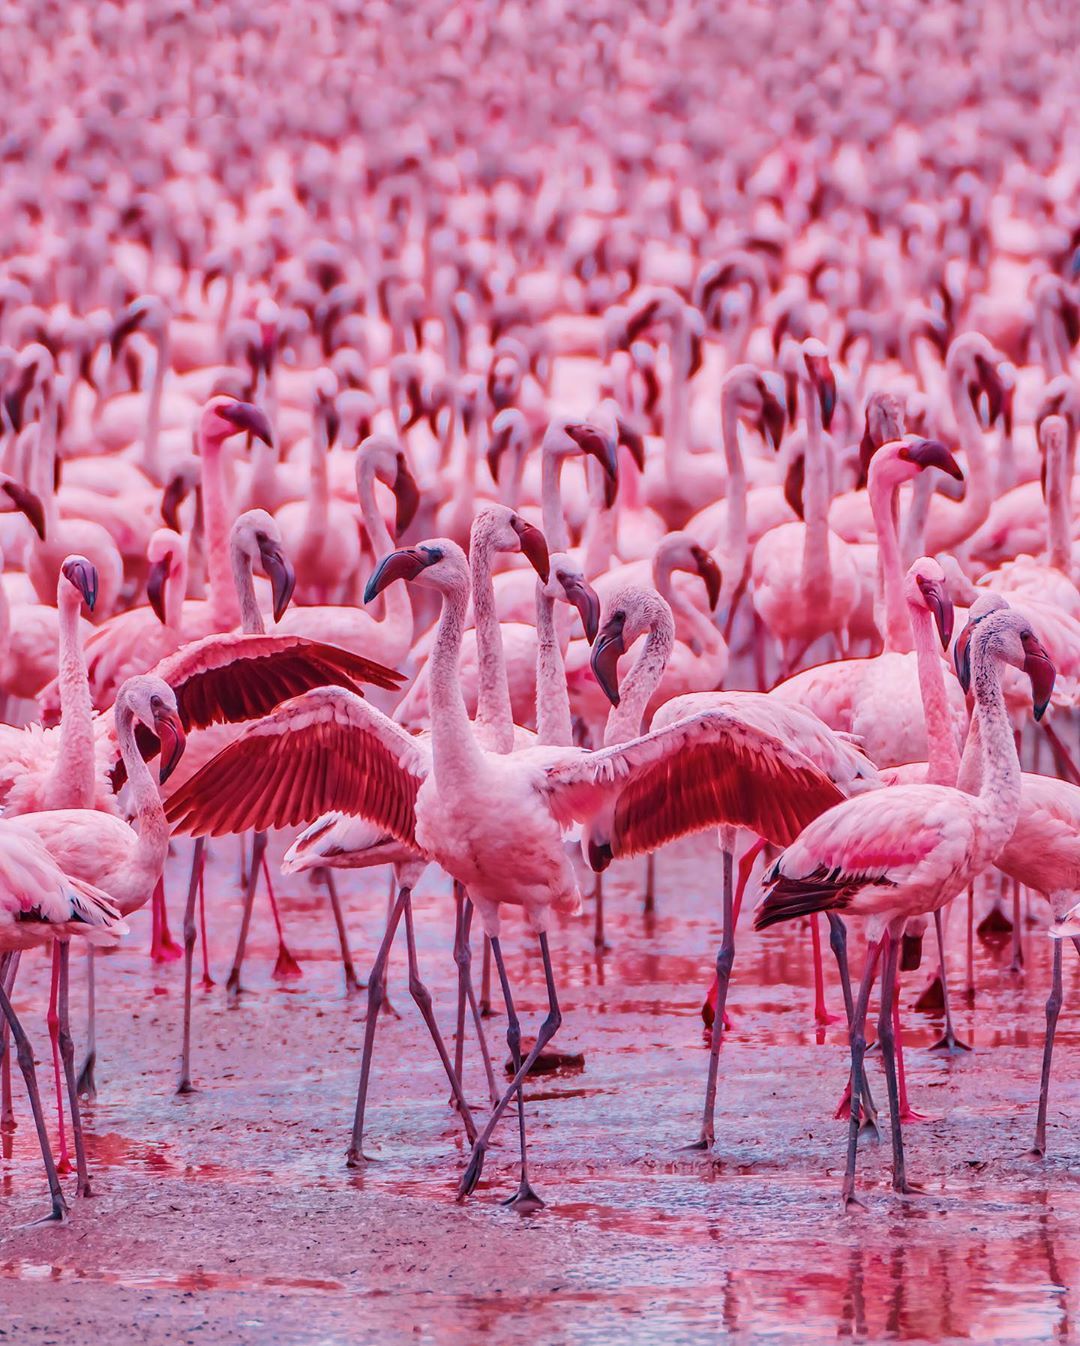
(229,1215)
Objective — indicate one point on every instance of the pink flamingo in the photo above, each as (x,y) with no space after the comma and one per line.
(903,852)
(39,903)
(493,821)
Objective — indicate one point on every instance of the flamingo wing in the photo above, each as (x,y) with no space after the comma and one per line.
(325,750)
(707,770)
(39,890)
(234,677)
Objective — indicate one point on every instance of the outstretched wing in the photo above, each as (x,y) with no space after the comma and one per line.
(708,770)
(327,749)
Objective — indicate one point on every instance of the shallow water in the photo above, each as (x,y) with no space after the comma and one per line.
(230,1214)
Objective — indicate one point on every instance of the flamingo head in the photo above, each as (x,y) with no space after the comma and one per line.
(165,554)
(885,421)
(1007,635)
(632,612)
(591,439)
(923,453)
(257,537)
(679,551)
(926,586)
(568,583)
(225,417)
(499,528)
(508,429)
(632,440)
(82,575)
(145,314)
(152,702)
(822,379)
(438,563)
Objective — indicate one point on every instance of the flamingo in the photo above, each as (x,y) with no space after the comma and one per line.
(40,903)
(906,851)
(493,821)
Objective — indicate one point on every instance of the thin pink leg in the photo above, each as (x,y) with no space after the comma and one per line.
(163,948)
(821,1011)
(286,968)
(907,1112)
(207,980)
(746,866)
(63,1163)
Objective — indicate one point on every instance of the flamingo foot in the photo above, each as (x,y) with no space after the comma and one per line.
(524,1201)
(949,1042)
(165,949)
(86,1084)
(63,1164)
(207,982)
(472,1173)
(909,1114)
(58,1215)
(852,1203)
(905,1188)
(823,1017)
(286,968)
(357,1159)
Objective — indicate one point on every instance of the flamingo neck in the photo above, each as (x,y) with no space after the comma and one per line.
(151,456)
(624,720)
(999,785)
(455,752)
(251,618)
(943,757)
(152,846)
(1058,509)
(736,545)
(494,715)
(601,528)
(553,723)
(71,781)
(965,517)
(896,625)
(224,606)
(318,510)
(817,568)
(913,529)
(677,406)
(176,591)
(555,530)
(397,607)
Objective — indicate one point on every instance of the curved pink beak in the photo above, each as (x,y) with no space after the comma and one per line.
(280,573)
(937,599)
(533,546)
(26,502)
(932,453)
(247,416)
(585,598)
(404,564)
(710,573)
(173,740)
(157,577)
(83,575)
(1040,669)
(406,494)
(609,648)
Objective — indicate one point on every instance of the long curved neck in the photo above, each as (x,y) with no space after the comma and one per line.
(455,752)
(913,528)
(677,418)
(151,457)
(999,787)
(601,527)
(148,858)
(896,626)
(555,530)
(71,781)
(943,756)
(176,592)
(816,571)
(318,510)
(961,520)
(553,722)
(494,716)
(224,607)
(1058,509)
(397,609)
(1050,343)
(736,545)
(624,720)
(251,618)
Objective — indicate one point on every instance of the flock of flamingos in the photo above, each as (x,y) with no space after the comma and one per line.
(442,492)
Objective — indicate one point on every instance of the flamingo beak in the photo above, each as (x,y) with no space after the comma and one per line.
(991,384)
(331,420)
(173,741)
(129,321)
(279,572)
(710,573)
(791,395)
(794,480)
(592,440)
(940,604)
(500,442)
(247,416)
(932,453)
(533,547)
(173,496)
(412,409)
(772,420)
(962,654)
(404,564)
(407,495)
(26,502)
(584,597)
(825,382)
(633,443)
(607,651)
(156,579)
(1040,669)
(83,575)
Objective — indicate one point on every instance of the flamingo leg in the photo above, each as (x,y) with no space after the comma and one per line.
(548,1029)
(1017,964)
(524,1197)
(258,848)
(477,1017)
(63,1161)
(87,1083)
(838,944)
(888,1052)
(485,980)
(821,1010)
(25,1055)
(858,1053)
(9,967)
(67,1055)
(422,996)
(376,990)
(599,943)
(460,962)
(286,968)
(207,980)
(185,1085)
(725,958)
(907,1112)
(971,942)
(352,985)
(949,1042)
(163,948)
(648,906)
(1053,1009)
